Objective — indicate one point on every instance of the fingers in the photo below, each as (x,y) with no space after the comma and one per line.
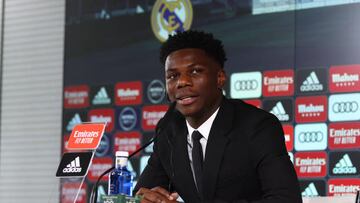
(174,196)
(161,191)
(152,196)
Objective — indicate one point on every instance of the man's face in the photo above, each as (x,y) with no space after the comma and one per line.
(194,80)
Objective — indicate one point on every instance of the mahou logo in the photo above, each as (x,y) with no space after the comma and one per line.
(76,96)
(151,116)
(128,93)
(127,141)
(278,83)
(98,166)
(310,164)
(289,136)
(345,78)
(311,109)
(103,115)
(343,187)
(344,135)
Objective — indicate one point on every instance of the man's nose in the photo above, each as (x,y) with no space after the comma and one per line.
(184,80)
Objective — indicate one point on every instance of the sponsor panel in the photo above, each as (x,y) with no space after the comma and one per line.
(104,146)
(127,141)
(311,81)
(343,186)
(86,136)
(101,116)
(311,109)
(128,93)
(344,78)
(74,164)
(69,190)
(254,102)
(289,136)
(76,96)
(98,166)
(151,116)
(102,95)
(344,135)
(128,118)
(145,139)
(310,137)
(71,119)
(344,163)
(344,107)
(155,91)
(278,83)
(310,164)
(312,188)
(245,85)
(143,162)
(282,109)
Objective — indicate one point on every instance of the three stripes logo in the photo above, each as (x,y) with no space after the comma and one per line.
(279,111)
(74,164)
(101,97)
(73,167)
(311,83)
(75,120)
(344,165)
(310,191)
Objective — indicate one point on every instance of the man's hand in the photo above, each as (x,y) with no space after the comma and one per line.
(157,195)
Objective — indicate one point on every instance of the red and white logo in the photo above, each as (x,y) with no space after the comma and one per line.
(98,166)
(69,191)
(76,96)
(289,137)
(102,116)
(310,164)
(86,136)
(127,141)
(343,187)
(311,109)
(344,135)
(151,116)
(254,102)
(278,83)
(345,78)
(128,93)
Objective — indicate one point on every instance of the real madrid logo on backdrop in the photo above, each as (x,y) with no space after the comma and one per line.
(170,16)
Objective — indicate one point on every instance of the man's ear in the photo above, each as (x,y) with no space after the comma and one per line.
(221,78)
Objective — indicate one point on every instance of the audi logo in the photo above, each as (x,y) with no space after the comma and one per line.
(241,85)
(345,107)
(314,136)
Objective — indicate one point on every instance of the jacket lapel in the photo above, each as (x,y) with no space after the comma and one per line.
(215,147)
(182,168)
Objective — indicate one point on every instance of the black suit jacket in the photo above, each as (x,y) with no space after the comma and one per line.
(245,159)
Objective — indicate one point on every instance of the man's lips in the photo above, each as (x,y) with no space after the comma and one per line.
(186,100)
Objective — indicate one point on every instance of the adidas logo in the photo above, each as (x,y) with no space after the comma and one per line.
(310,191)
(101,97)
(73,167)
(311,83)
(344,166)
(73,122)
(279,111)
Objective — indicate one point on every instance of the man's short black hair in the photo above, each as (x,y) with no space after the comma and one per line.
(194,39)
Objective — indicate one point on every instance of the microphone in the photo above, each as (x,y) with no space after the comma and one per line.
(158,129)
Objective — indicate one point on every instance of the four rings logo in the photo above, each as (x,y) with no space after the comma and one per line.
(168,17)
(312,136)
(245,85)
(315,136)
(242,85)
(345,107)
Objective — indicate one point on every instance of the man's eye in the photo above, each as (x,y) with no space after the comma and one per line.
(170,77)
(195,71)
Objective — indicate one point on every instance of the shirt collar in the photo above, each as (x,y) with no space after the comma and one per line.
(204,128)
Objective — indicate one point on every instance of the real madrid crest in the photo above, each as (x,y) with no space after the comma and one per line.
(170,16)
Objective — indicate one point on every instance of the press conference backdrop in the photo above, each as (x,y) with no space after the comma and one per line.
(299,60)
